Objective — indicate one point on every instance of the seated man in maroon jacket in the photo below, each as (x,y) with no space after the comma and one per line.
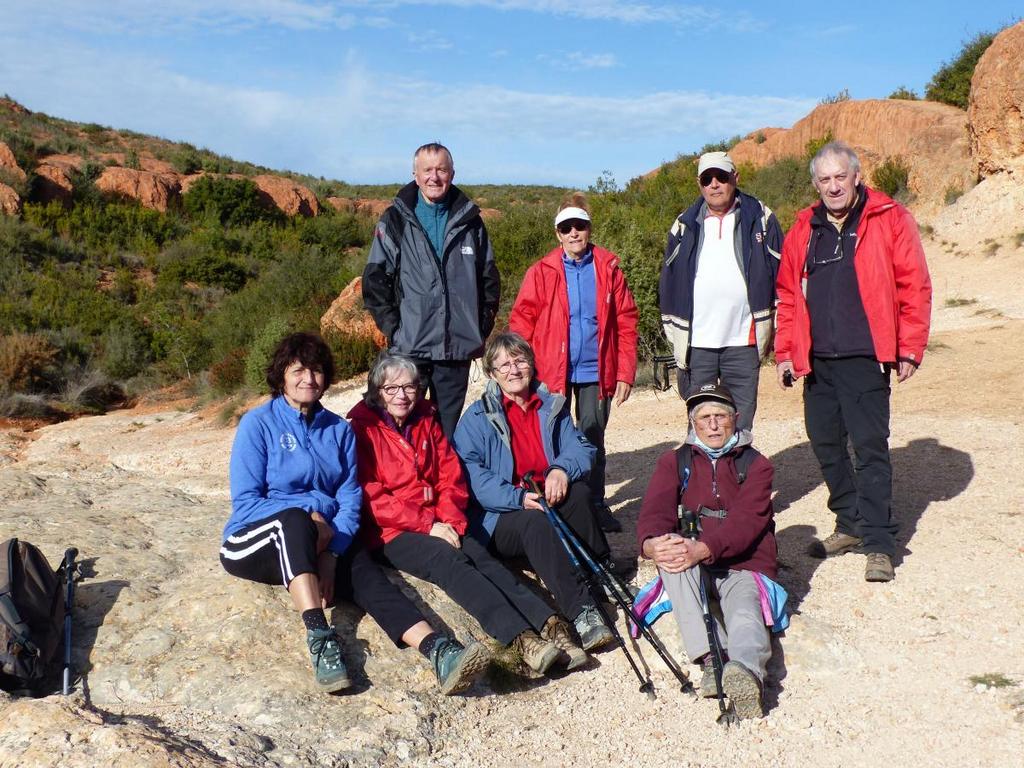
(736,539)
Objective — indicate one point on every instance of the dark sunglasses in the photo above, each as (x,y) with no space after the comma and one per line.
(570,224)
(723,177)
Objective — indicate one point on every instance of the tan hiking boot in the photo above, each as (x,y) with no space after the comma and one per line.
(835,544)
(556,629)
(538,654)
(879,567)
(743,690)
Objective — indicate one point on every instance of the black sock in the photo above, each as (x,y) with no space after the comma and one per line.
(428,643)
(314,618)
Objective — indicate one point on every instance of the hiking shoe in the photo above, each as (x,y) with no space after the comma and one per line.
(325,654)
(606,519)
(457,666)
(834,544)
(557,631)
(538,654)
(593,632)
(743,690)
(879,567)
(708,687)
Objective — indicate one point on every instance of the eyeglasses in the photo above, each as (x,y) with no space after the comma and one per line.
(714,418)
(817,257)
(507,366)
(390,390)
(723,177)
(567,226)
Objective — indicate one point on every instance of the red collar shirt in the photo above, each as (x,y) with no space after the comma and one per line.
(527,445)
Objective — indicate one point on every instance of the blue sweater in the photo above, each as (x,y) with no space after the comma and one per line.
(279,461)
(581,284)
(434,219)
(484,443)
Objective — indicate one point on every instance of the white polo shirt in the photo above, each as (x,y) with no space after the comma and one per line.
(721,309)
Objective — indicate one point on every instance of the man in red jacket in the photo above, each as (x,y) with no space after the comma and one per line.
(855,303)
(737,540)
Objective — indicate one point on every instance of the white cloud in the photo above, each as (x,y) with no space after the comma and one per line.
(577,60)
(429,41)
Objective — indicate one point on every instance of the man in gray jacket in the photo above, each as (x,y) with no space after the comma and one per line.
(431,283)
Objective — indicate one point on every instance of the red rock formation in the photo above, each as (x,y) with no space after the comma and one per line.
(152,190)
(9,164)
(53,178)
(491,214)
(10,203)
(287,196)
(343,204)
(930,137)
(996,125)
(371,207)
(347,315)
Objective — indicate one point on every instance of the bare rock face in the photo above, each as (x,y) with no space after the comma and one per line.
(9,164)
(931,138)
(10,202)
(343,204)
(53,177)
(290,198)
(490,214)
(995,119)
(346,315)
(368,206)
(152,190)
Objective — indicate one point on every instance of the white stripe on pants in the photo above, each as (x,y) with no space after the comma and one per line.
(256,539)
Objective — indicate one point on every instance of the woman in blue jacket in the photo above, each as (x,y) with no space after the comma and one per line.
(518,427)
(295,507)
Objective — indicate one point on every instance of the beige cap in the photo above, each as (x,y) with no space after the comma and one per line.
(719,160)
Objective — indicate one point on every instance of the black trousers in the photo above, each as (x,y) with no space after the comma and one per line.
(847,399)
(737,368)
(591,413)
(471,577)
(446,381)
(277,549)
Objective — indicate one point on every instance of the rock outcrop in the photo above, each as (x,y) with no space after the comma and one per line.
(9,164)
(347,315)
(152,190)
(10,201)
(289,197)
(54,177)
(996,108)
(930,137)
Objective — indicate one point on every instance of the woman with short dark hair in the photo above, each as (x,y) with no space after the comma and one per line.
(414,501)
(295,503)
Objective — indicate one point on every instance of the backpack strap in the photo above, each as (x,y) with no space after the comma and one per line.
(684,460)
(9,616)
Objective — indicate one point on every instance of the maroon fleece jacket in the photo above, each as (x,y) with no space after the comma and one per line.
(745,539)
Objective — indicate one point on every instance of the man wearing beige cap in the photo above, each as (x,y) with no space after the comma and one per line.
(717,286)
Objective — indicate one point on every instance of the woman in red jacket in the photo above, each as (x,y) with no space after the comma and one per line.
(575,309)
(414,500)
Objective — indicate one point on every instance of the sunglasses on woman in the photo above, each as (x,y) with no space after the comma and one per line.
(569,225)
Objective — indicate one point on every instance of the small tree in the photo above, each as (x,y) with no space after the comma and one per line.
(952,83)
(892,177)
(904,93)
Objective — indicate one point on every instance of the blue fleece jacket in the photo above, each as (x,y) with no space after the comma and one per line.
(581,284)
(279,461)
(484,443)
(434,219)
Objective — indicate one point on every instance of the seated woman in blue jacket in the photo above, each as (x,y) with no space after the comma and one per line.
(295,504)
(519,427)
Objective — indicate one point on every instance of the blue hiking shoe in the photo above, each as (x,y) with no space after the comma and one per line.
(456,666)
(325,654)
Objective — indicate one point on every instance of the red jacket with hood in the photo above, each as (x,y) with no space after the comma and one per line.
(407,485)
(892,276)
(541,316)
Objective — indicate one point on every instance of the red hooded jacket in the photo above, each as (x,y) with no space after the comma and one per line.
(541,316)
(892,276)
(407,486)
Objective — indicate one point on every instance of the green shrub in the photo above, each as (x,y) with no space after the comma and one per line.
(835,98)
(232,202)
(352,355)
(127,348)
(721,146)
(904,93)
(261,350)
(228,373)
(27,362)
(951,84)
(891,177)
(812,146)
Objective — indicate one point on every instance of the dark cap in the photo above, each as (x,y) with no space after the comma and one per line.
(709,392)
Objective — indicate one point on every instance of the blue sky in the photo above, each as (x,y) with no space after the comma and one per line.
(522,91)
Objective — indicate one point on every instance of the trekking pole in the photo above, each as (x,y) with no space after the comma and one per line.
(725,714)
(580,556)
(69,595)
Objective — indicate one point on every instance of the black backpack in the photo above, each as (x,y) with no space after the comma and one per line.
(684,459)
(31,615)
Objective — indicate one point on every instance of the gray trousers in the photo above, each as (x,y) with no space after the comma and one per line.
(736,368)
(743,637)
